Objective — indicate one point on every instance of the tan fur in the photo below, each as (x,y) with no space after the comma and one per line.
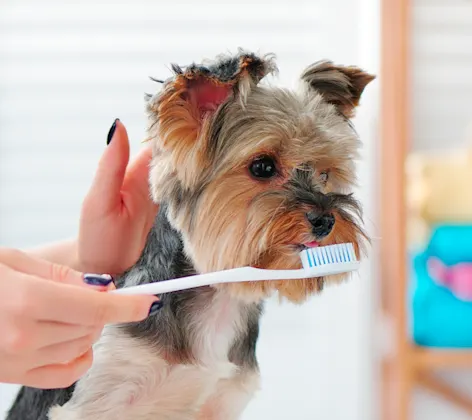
(339,85)
(233,229)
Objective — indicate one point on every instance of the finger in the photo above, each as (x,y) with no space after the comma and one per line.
(48,333)
(81,306)
(24,263)
(62,352)
(59,375)
(108,180)
(34,266)
(22,336)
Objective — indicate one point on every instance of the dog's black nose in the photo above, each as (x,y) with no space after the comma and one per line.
(322,224)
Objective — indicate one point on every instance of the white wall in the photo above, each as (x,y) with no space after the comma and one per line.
(67,71)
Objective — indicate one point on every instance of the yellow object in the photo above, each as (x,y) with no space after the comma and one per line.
(439,190)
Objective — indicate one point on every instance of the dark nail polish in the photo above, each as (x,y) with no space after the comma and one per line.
(112,131)
(98,279)
(155,307)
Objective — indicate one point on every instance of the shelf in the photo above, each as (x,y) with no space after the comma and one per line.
(429,358)
(429,382)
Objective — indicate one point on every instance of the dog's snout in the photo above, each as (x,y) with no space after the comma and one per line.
(322,225)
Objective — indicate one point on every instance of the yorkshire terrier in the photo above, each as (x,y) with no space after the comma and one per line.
(245,174)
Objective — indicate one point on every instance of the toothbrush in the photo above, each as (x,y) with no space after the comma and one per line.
(317,262)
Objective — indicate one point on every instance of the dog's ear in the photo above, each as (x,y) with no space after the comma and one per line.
(195,92)
(339,85)
(180,114)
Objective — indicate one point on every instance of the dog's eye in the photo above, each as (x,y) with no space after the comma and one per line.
(324,177)
(263,167)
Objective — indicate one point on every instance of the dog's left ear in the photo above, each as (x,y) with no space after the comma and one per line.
(341,86)
(209,86)
(181,112)
(194,93)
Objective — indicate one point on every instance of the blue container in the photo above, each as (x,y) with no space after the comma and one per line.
(437,317)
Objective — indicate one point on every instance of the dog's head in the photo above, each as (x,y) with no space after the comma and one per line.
(254,174)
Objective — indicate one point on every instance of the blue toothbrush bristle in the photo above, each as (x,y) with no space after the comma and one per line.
(330,254)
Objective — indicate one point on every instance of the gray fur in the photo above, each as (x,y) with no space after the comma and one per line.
(226,67)
(171,328)
(34,404)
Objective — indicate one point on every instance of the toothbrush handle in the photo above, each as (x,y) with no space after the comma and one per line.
(235,275)
(173,285)
(198,280)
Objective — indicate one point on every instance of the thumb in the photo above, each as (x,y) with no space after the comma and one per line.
(137,176)
(136,193)
(108,180)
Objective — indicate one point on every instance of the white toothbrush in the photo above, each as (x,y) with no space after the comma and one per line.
(317,262)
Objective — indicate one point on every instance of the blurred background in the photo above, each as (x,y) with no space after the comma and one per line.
(393,344)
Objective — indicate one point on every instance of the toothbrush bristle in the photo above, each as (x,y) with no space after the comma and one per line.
(330,254)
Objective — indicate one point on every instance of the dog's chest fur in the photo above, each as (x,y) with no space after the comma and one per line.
(203,325)
(216,329)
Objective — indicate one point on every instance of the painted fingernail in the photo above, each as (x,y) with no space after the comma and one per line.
(98,279)
(112,131)
(155,307)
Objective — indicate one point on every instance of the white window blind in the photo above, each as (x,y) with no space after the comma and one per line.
(442,73)
(67,69)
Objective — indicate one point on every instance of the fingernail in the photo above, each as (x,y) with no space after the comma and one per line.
(112,131)
(98,279)
(155,307)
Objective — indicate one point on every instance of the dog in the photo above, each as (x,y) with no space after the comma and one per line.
(245,173)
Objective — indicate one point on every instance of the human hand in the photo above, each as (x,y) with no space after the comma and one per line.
(50,316)
(117,213)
